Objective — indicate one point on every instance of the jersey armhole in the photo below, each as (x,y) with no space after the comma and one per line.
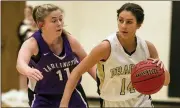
(36,58)
(103,60)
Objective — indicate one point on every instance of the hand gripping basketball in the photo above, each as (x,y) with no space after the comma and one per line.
(147,77)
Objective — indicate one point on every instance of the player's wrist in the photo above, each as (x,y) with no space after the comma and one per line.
(26,70)
(63,103)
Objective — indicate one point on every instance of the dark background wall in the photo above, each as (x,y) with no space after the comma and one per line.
(11,15)
(174,87)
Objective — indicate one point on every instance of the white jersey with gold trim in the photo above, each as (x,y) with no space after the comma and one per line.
(115,73)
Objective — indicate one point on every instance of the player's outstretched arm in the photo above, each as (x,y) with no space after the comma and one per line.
(28,49)
(98,53)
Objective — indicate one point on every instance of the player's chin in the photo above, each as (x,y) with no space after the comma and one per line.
(58,33)
(124,36)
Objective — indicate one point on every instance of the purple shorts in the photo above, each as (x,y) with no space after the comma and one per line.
(78,100)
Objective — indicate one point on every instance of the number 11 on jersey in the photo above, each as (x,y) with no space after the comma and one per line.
(60,73)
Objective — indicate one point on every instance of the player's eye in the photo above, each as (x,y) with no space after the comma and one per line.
(121,21)
(53,21)
(129,22)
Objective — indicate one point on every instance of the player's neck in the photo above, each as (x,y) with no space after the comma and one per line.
(129,44)
(52,41)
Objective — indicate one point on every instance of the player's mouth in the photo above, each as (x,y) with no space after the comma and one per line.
(59,30)
(124,32)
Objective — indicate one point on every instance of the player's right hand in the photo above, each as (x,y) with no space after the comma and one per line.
(35,74)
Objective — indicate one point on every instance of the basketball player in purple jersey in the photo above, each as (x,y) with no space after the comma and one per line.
(48,57)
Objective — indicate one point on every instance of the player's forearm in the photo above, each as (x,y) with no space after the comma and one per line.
(22,66)
(70,86)
(92,72)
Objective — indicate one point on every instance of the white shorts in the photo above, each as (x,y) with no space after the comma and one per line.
(143,101)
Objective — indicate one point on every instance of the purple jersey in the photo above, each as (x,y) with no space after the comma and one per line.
(55,68)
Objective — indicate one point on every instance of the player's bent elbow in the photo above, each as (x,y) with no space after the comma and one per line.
(166,83)
(167,79)
(17,67)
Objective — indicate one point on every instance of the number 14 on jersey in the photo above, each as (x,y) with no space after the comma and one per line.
(129,87)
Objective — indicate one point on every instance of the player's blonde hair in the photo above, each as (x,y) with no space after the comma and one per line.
(41,11)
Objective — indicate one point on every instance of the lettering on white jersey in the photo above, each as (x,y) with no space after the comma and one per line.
(121,70)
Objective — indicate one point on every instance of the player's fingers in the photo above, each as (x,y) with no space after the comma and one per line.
(35,77)
(151,59)
(39,74)
(162,65)
(155,60)
(159,62)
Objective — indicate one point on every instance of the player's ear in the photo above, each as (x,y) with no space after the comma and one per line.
(138,26)
(40,24)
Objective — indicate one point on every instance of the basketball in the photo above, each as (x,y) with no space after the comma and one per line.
(147,77)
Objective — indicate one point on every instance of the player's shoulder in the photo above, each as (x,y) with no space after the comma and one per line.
(71,38)
(104,46)
(73,41)
(74,44)
(30,45)
(149,44)
(31,42)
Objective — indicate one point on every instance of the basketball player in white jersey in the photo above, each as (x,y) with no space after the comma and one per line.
(115,57)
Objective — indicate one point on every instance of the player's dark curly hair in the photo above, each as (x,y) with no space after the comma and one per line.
(136,10)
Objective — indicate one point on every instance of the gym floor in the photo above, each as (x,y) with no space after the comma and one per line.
(94,102)
(15,98)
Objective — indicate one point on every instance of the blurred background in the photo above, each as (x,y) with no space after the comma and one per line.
(90,22)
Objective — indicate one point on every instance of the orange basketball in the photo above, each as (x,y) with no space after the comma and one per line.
(147,77)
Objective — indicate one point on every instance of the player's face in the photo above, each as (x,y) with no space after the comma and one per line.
(27,12)
(127,24)
(53,23)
